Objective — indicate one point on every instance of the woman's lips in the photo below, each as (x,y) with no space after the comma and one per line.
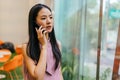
(48,27)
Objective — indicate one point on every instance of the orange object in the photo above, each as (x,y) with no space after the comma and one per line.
(12,65)
(1,68)
(18,49)
(1,42)
(4,55)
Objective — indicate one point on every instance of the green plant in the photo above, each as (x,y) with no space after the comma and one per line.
(70,66)
(105,74)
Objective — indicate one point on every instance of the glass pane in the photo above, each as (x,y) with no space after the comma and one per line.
(78,34)
(77,27)
(109,39)
(89,40)
(67,25)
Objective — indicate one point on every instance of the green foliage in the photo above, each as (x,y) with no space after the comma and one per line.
(105,74)
(70,66)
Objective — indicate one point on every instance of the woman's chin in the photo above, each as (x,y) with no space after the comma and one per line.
(49,31)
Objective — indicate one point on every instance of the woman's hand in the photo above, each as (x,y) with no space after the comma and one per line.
(41,33)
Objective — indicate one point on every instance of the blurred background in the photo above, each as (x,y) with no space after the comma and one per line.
(89,31)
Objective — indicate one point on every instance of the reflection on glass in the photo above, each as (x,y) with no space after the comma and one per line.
(77,27)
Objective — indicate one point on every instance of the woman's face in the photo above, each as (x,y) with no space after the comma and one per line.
(45,19)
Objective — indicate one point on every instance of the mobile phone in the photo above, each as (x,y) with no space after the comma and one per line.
(36,26)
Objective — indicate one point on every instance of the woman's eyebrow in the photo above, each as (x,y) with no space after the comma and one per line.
(46,15)
(50,15)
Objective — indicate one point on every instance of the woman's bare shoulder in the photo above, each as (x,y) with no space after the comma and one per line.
(26,57)
(24,47)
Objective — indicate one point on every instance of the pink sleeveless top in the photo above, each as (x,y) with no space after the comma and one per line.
(50,73)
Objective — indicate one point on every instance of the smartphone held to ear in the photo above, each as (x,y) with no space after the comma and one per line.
(37,26)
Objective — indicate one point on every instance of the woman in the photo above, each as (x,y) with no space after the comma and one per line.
(42,57)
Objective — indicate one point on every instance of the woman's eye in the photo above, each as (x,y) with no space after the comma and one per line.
(51,17)
(43,18)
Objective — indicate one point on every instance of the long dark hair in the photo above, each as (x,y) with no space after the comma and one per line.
(33,47)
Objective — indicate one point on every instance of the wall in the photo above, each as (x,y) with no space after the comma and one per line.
(14,19)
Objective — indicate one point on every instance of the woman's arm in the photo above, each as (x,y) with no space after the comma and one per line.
(61,76)
(36,71)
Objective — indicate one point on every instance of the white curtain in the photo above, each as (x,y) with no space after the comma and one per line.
(77,27)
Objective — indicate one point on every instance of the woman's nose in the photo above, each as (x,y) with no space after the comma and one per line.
(48,20)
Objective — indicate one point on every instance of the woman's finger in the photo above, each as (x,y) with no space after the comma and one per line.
(36,30)
(44,32)
(40,28)
(39,33)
